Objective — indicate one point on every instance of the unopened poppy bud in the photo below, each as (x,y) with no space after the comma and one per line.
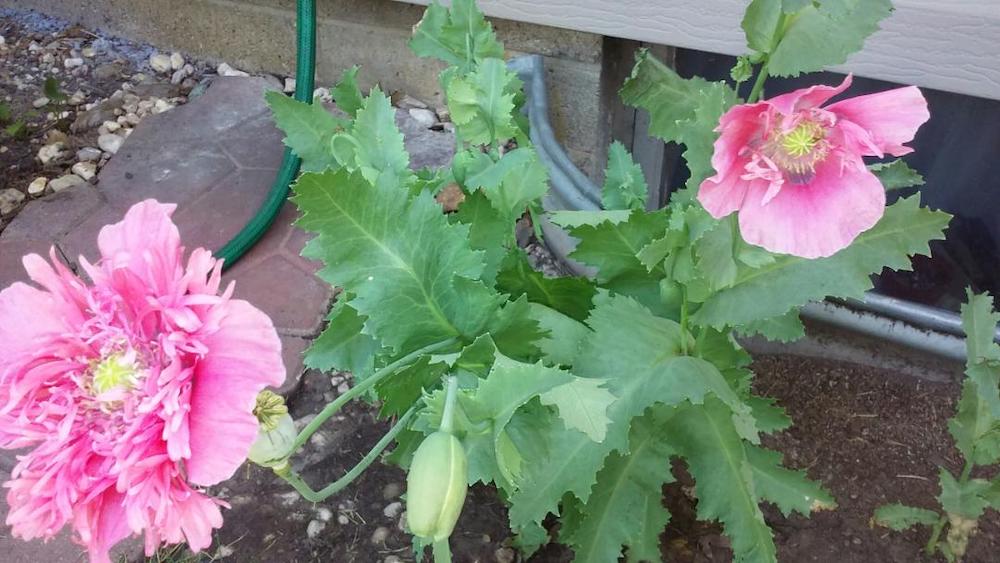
(436,486)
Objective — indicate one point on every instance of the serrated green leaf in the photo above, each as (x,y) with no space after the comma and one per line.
(716,261)
(343,345)
(515,331)
(610,518)
(974,428)
(789,490)
(789,282)
(896,175)
(308,129)
(612,248)
(488,231)
(512,182)
(965,499)
(407,442)
(825,34)
(374,145)
(569,219)
(760,23)
(624,184)
(583,406)
(724,482)
(482,103)
(399,391)
(644,543)
(458,36)
(900,517)
(565,335)
(784,328)
(530,539)
(347,94)
(571,296)
(413,275)
(770,417)
(645,369)
(979,321)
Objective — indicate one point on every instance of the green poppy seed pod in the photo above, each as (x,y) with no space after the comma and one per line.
(436,486)
(276,432)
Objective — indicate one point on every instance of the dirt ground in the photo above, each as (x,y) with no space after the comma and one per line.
(872,436)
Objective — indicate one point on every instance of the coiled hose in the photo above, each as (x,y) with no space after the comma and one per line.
(305,67)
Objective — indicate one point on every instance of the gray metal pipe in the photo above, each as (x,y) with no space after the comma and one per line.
(930,329)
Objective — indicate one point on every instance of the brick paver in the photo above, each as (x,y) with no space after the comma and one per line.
(216,157)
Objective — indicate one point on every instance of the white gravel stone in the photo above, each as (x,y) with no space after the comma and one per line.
(176,61)
(40,102)
(392,509)
(65,182)
(160,63)
(85,170)
(425,117)
(51,152)
(322,94)
(391,491)
(88,52)
(73,62)
(77,98)
(343,520)
(9,200)
(380,535)
(37,186)
(111,126)
(289,85)
(392,559)
(314,528)
(225,70)
(324,513)
(110,143)
(88,154)
(2,40)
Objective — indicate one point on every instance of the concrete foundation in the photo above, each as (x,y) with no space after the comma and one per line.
(259,35)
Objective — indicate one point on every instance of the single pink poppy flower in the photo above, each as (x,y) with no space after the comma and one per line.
(795,171)
(131,392)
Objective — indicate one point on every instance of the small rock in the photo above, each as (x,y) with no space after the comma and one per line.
(77,98)
(319,440)
(178,76)
(111,126)
(88,154)
(343,388)
(65,182)
(176,61)
(391,491)
(73,62)
(504,555)
(444,116)
(225,70)
(314,528)
(40,102)
(2,40)
(161,106)
(110,143)
(449,127)
(9,200)
(406,101)
(343,520)
(425,117)
(322,94)
(37,186)
(88,52)
(52,152)
(380,535)
(85,170)
(392,559)
(324,513)
(403,524)
(393,509)
(289,85)
(160,63)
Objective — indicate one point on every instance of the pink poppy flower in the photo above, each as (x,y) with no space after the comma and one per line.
(132,392)
(795,171)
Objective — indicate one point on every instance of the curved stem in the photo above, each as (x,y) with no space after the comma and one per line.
(442,551)
(448,416)
(360,389)
(309,494)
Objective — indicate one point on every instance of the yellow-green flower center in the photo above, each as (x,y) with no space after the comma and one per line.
(269,410)
(114,372)
(802,140)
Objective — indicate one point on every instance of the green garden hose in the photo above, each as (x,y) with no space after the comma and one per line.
(305,67)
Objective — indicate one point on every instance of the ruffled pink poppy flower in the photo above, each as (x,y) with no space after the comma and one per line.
(795,172)
(131,392)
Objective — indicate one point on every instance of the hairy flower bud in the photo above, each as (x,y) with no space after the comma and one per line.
(276,434)
(436,486)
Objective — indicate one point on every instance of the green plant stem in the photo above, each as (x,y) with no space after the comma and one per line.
(362,388)
(931,546)
(758,85)
(309,494)
(442,551)
(448,416)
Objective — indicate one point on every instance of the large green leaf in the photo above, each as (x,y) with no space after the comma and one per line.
(482,103)
(624,184)
(983,354)
(571,296)
(975,430)
(724,481)
(645,369)
(564,336)
(412,273)
(347,94)
(788,490)
(512,182)
(612,518)
(963,498)
(774,289)
(343,345)
(612,248)
(458,36)
(826,33)
(489,231)
(308,129)
(374,145)
(896,175)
